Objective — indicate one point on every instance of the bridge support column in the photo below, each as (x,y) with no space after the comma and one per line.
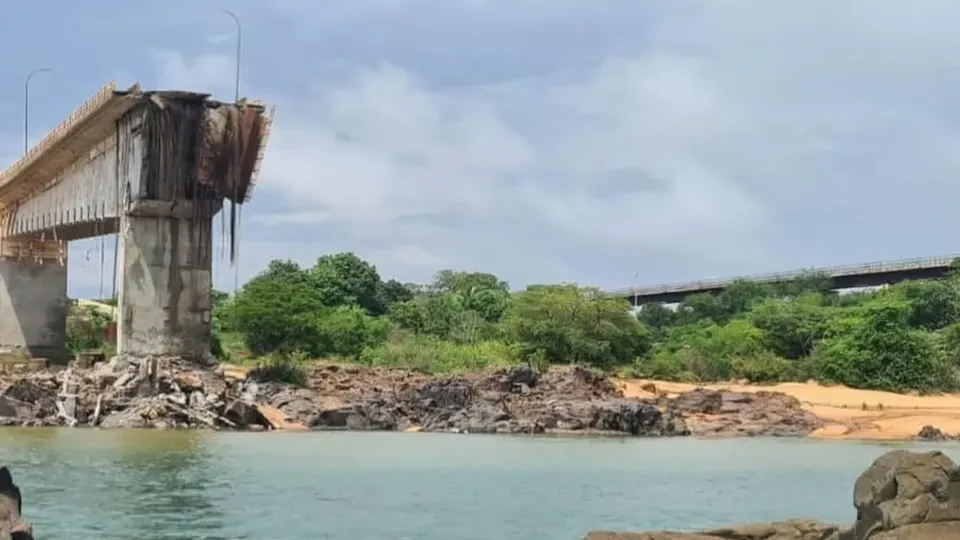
(33,298)
(165,279)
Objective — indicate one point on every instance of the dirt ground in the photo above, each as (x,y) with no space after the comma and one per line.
(849,413)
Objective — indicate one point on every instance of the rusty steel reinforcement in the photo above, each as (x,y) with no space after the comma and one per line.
(212,150)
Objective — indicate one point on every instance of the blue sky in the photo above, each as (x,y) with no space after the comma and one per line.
(545,140)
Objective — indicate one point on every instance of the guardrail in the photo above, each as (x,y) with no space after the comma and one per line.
(60,132)
(905,265)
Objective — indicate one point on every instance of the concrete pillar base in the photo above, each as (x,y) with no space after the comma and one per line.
(165,280)
(33,308)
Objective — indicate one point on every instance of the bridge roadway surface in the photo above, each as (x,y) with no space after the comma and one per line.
(843,277)
(152,166)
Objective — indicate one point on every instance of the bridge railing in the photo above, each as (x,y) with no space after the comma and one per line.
(879,267)
(58,133)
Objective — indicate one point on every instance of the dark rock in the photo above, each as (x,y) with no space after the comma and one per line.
(12,524)
(725,413)
(242,413)
(930,433)
(901,496)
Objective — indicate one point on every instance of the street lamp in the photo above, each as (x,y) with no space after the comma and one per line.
(26,107)
(239,43)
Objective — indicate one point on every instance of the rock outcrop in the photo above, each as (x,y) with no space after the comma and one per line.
(166,392)
(521,400)
(723,413)
(902,496)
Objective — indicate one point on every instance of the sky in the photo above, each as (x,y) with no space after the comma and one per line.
(604,142)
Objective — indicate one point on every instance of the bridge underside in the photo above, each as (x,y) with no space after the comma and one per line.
(153,167)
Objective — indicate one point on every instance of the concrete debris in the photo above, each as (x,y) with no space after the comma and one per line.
(152,392)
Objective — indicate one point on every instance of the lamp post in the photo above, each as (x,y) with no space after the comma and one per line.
(239,49)
(26,107)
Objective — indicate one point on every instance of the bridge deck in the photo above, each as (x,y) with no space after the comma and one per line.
(847,276)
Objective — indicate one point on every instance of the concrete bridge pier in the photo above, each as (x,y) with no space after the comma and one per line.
(165,278)
(33,297)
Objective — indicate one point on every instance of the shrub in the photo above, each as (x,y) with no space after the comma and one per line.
(429,354)
(282,368)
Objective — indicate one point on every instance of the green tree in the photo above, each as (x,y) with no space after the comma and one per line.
(707,351)
(348,330)
(879,350)
(410,315)
(791,326)
(657,317)
(934,304)
(220,317)
(344,279)
(393,292)
(277,310)
(568,324)
(702,306)
(483,293)
(741,295)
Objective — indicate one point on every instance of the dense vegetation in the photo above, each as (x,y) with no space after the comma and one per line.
(903,337)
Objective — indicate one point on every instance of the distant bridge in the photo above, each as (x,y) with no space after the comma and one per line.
(844,277)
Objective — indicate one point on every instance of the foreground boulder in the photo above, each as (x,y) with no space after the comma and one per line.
(12,524)
(902,496)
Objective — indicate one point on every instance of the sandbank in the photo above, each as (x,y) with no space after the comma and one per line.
(847,413)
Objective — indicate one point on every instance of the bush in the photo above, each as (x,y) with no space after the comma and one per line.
(568,324)
(86,329)
(347,331)
(428,354)
(282,368)
(882,352)
(764,368)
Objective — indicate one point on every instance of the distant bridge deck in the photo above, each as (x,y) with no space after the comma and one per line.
(844,277)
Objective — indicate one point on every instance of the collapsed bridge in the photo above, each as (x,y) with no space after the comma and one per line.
(153,167)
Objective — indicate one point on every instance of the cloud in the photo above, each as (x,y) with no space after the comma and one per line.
(564,141)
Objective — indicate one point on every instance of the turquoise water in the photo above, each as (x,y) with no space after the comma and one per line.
(360,486)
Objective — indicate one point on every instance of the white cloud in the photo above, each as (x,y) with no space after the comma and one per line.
(213,73)
(723,136)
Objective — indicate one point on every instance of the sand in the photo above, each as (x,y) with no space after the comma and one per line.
(848,413)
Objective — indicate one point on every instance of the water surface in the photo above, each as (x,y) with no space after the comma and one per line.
(153,485)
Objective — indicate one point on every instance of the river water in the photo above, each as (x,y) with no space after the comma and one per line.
(153,485)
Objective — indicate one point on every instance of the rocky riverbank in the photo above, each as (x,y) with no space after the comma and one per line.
(174,393)
(901,496)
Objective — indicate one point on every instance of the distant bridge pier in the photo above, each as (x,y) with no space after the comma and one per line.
(33,297)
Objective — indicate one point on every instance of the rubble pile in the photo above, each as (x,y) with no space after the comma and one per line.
(170,392)
(154,392)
